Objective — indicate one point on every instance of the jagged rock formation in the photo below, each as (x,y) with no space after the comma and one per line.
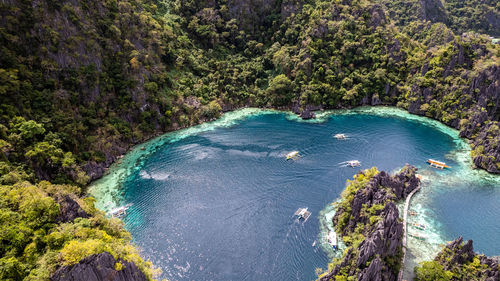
(433,10)
(460,15)
(368,220)
(100,267)
(458,261)
(480,98)
(69,210)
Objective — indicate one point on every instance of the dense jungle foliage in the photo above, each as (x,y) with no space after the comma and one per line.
(82,81)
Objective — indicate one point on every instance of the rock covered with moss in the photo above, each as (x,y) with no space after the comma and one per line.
(47,228)
(458,261)
(368,220)
(100,267)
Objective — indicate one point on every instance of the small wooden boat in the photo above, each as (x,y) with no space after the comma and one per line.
(353,163)
(119,212)
(412,213)
(437,164)
(418,236)
(292,155)
(302,213)
(340,136)
(418,226)
(332,239)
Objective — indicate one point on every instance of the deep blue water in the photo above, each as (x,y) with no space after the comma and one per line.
(219,205)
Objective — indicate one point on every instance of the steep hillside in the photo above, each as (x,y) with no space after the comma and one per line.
(462,16)
(47,227)
(90,79)
(81,81)
(458,261)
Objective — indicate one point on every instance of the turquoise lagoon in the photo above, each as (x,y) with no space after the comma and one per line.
(215,201)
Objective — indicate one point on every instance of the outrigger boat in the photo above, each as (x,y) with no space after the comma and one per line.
(418,226)
(332,239)
(292,155)
(340,136)
(303,213)
(412,213)
(353,163)
(437,164)
(119,212)
(418,236)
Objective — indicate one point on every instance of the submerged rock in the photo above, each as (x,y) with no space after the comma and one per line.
(100,267)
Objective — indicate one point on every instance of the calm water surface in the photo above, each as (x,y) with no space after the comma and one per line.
(218,205)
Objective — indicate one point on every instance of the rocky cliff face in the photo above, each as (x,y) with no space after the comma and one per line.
(69,210)
(433,10)
(369,213)
(460,260)
(100,267)
(476,96)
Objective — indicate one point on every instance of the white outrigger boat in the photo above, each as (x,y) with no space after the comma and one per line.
(332,239)
(292,155)
(418,236)
(418,226)
(353,163)
(119,212)
(340,136)
(302,213)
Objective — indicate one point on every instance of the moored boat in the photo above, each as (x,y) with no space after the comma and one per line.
(418,226)
(437,164)
(332,239)
(119,212)
(418,236)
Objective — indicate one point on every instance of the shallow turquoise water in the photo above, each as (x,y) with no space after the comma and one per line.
(216,202)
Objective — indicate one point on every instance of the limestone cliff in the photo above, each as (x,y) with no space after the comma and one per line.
(458,261)
(100,267)
(368,221)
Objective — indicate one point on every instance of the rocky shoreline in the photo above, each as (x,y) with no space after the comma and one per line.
(369,223)
(458,261)
(96,170)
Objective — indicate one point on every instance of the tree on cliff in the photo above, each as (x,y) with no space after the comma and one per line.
(432,271)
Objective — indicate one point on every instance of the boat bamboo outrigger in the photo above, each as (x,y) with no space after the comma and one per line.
(353,163)
(303,213)
(412,213)
(437,164)
(332,239)
(292,155)
(119,212)
(418,226)
(418,236)
(340,136)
